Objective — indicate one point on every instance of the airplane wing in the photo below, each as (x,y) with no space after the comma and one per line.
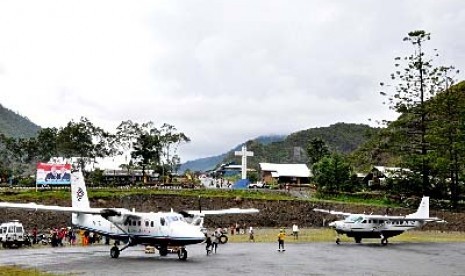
(337,213)
(105,212)
(223,211)
(37,207)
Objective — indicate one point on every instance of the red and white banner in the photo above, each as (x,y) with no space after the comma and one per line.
(53,174)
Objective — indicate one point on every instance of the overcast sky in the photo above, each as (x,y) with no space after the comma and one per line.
(222,72)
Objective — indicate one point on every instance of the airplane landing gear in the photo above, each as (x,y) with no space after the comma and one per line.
(182,254)
(163,251)
(114,252)
(358,240)
(338,240)
(384,241)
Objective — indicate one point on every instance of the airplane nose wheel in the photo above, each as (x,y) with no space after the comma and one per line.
(114,252)
(182,254)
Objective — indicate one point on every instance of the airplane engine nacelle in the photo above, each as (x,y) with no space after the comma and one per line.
(113,216)
(198,221)
(116,219)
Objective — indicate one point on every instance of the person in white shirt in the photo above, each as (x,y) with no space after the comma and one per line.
(295,231)
(251,234)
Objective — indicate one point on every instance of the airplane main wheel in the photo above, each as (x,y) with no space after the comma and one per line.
(384,241)
(358,240)
(163,251)
(182,254)
(114,252)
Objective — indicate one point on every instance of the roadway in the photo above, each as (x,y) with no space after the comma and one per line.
(251,259)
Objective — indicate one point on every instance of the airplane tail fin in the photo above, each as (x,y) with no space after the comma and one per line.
(79,191)
(423,209)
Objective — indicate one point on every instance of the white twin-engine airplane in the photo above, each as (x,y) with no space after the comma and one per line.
(359,226)
(161,229)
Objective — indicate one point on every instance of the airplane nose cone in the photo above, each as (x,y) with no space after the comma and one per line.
(333,224)
(191,234)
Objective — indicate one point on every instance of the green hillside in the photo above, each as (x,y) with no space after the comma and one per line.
(397,143)
(340,137)
(15,125)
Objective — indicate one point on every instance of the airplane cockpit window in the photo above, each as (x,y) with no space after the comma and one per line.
(354,218)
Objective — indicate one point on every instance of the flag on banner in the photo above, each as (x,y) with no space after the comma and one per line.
(53,174)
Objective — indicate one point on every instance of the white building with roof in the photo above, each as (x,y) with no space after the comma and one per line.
(285,173)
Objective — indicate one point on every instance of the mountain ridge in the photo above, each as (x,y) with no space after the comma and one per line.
(15,125)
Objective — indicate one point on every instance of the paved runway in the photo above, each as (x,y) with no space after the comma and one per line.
(252,259)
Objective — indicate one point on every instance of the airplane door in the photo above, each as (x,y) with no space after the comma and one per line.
(164,226)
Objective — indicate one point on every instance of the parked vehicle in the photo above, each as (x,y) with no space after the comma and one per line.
(258,184)
(12,234)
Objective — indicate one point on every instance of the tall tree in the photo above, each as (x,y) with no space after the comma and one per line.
(332,173)
(84,140)
(316,150)
(417,80)
(150,146)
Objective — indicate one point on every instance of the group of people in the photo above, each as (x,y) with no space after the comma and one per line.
(212,241)
(56,236)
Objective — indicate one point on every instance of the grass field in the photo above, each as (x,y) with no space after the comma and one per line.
(328,235)
(17,271)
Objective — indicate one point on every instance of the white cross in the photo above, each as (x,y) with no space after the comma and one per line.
(244,153)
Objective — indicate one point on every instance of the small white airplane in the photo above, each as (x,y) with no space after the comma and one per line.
(359,226)
(160,230)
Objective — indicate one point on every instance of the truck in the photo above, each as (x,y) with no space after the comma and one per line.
(12,234)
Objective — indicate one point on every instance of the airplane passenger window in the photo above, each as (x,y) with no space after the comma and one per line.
(151,224)
(138,223)
(162,221)
(133,223)
(146,223)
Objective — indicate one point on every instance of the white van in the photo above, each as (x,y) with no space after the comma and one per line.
(12,234)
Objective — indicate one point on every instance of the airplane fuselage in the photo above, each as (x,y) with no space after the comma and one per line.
(159,229)
(362,226)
